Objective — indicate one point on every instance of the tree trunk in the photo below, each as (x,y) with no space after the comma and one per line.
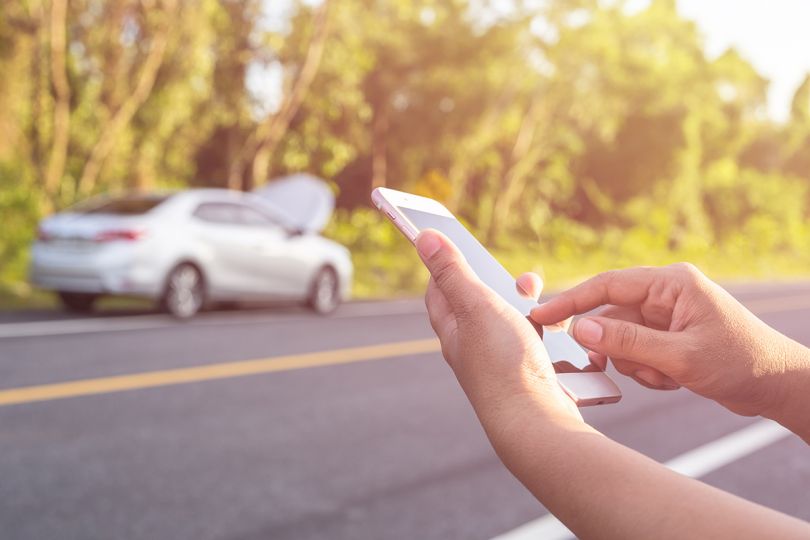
(379,146)
(122,117)
(471,147)
(37,113)
(61,112)
(269,134)
(521,162)
(236,168)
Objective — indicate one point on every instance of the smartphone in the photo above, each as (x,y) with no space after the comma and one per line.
(582,380)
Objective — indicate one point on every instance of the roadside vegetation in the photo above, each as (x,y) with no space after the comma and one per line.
(572,138)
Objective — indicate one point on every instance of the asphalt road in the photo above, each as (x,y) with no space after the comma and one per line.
(229,430)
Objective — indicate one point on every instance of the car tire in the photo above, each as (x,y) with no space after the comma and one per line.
(184,293)
(78,302)
(324,296)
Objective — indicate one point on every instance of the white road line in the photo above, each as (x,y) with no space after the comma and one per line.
(155,321)
(347,311)
(725,450)
(81,326)
(695,463)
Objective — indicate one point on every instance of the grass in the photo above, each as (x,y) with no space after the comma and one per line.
(374,278)
(16,296)
(391,269)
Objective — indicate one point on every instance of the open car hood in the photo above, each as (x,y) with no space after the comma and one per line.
(306,202)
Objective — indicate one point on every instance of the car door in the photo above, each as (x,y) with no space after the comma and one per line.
(235,248)
(281,269)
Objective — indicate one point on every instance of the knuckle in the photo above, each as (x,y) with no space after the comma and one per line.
(450,279)
(687,271)
(606,278)
(601,282)
(627,336)
(444,273)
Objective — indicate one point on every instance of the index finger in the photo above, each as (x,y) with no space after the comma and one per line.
(617,287)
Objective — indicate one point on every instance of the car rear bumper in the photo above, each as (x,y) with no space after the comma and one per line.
(100,273)
(121,282)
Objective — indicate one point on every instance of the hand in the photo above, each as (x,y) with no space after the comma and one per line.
(538,433)
(672,326)
(493,350)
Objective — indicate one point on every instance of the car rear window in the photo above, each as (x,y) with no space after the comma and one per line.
(124,206)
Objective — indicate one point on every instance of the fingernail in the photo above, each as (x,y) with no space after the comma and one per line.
(589,331)
(539,309)
(542,306)
(428,245)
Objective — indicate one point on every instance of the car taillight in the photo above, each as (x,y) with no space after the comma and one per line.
(126,235)
(43,236)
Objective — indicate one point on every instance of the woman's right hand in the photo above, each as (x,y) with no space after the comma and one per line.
(672,326)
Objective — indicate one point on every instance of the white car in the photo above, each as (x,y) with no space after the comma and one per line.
(194,247)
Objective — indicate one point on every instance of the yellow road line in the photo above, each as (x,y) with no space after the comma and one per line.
(779,304)
(226,370)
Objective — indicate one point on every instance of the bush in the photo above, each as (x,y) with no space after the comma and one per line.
(756,229)
(19,209)
(385,263)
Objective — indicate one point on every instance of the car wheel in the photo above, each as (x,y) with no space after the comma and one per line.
(78,302)
(185,291)
(324,296)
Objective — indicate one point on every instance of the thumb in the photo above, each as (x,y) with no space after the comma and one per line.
(623,339)
(450,270)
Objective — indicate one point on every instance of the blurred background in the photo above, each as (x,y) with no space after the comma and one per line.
(572,136)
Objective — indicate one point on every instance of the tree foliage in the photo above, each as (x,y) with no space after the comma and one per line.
(567,125)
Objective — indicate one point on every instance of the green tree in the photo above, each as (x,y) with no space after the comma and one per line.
(798,133)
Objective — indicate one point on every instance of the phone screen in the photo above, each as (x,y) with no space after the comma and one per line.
(562,349)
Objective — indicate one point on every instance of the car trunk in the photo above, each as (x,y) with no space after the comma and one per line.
(82,232)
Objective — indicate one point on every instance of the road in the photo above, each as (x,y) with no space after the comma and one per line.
(228,427)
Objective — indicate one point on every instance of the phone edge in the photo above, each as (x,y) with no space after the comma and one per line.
(392,213)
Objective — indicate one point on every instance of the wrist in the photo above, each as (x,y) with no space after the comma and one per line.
(545,407)
(791,406)
(529,443)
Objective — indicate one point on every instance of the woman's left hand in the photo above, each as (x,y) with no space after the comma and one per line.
(494,351)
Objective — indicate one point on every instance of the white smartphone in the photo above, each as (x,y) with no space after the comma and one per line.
(582,380)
